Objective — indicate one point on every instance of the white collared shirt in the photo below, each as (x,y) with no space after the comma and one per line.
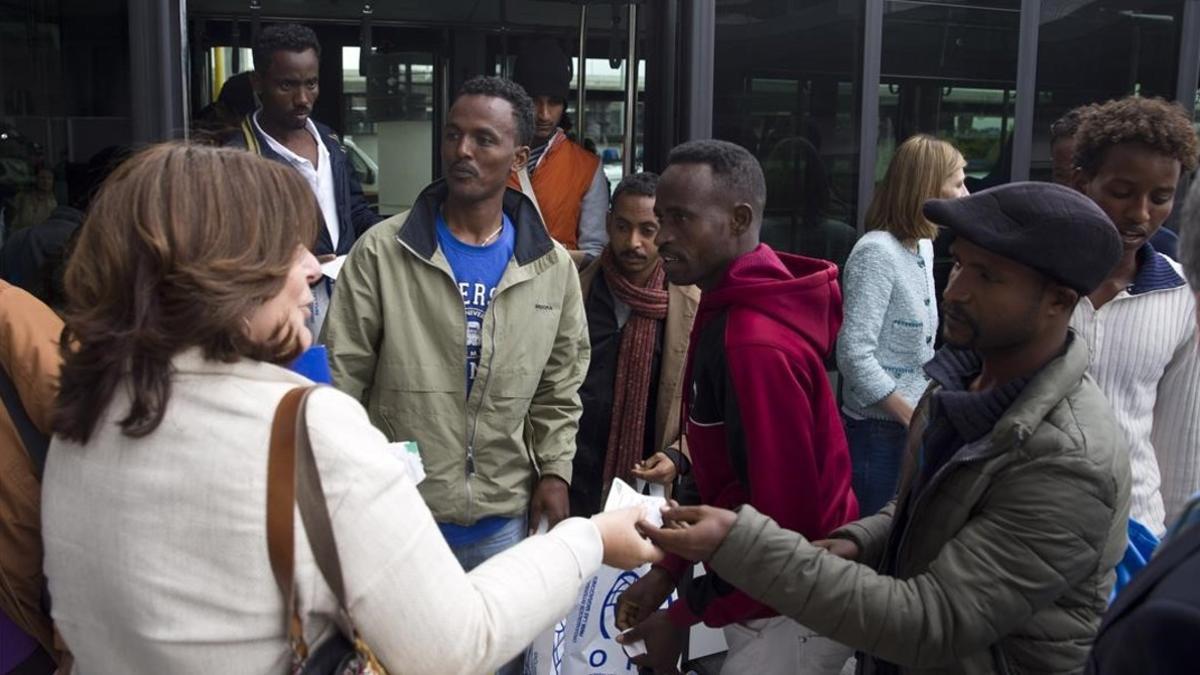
(320,177)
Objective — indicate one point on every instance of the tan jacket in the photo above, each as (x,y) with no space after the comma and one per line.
(29,335)
(396,336)
(681,312)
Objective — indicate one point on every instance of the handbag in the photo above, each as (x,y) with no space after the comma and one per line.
(293,480)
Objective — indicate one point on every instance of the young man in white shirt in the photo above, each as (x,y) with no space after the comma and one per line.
(287,61)
(1138,324)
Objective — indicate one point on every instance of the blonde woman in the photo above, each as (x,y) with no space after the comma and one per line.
(891,317)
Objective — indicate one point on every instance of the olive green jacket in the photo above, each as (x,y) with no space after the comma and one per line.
(396,336)
(1007,562)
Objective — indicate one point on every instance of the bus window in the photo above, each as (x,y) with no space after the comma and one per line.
(605,114)
(950,70)
(389,124)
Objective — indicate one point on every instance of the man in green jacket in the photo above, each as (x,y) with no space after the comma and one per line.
(997,556)
(460,325)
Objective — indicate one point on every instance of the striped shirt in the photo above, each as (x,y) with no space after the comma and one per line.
(536,154)
(1143,350)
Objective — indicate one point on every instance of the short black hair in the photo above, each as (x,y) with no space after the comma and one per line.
(499,87)
(1066,126)
(737,170)
(284,37)
(642,184)
(1162,126)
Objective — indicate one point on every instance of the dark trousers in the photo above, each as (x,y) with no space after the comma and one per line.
(876,450)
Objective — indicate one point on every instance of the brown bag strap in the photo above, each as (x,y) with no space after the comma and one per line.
(314,512)
(281,500)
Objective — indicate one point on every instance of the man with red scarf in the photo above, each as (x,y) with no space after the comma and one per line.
(639,326)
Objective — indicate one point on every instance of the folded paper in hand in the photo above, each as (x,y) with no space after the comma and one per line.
(622,496)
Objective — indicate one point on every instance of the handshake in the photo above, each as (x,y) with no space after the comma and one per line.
(649,636)
(633,537)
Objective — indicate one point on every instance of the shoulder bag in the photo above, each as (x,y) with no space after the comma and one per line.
(292,479)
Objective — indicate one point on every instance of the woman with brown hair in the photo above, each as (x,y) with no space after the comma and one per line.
(188,287)
(891,313)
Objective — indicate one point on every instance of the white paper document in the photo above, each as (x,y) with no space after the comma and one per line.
(621,496)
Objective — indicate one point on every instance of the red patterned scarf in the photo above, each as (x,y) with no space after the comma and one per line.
(627,431)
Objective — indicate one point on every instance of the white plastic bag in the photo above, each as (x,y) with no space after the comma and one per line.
(583,643)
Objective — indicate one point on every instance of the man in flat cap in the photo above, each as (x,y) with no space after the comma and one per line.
(997,555)
(565,180)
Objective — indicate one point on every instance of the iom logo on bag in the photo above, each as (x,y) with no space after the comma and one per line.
(608,611)
(560,641)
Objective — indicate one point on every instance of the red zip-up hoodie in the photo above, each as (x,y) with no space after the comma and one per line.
(761,420)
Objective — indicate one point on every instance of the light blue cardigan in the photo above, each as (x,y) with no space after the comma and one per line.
(890,323)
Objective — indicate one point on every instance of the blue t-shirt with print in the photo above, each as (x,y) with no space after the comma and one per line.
(477,271)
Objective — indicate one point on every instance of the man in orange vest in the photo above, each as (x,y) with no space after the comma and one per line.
(567,181)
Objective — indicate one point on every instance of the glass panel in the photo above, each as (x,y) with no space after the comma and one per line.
(222,66)
(1090,52)
(949,70)
(605,118)
(785,87)
(389,124)
(65,78)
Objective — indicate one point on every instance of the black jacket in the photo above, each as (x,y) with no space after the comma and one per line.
(596,394)
(355,215)
(1154,626)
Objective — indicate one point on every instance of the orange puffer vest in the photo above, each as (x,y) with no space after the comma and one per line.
(562,178)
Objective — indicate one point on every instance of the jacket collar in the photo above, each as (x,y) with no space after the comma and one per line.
(1154,272)
(419,231)
(972,413)
(1045,390)
(254,140)
(1053,383)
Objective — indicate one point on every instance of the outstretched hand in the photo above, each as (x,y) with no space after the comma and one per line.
(693,532)
(624,547)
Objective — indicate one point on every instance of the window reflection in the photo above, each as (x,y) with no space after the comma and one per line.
(605,114)
(785,87)
(389,120)
(1091,52)
(949,70)
(65,98)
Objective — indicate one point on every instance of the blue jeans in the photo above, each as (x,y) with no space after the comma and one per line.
(473,555)
(876,451)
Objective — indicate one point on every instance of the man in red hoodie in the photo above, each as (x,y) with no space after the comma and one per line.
(760,418)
